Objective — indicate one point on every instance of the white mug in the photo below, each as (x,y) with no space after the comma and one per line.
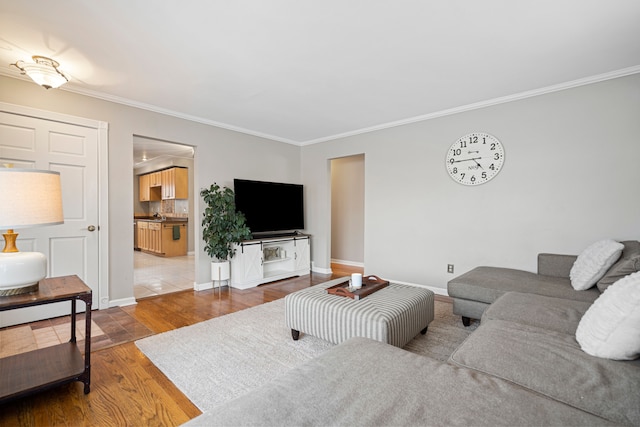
(356,280)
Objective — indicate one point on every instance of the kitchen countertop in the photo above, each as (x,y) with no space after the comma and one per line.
(151,219)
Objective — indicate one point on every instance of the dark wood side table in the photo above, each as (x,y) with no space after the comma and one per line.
(37,370)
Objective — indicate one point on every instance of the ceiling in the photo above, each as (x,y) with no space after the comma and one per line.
(146,150)
(302,71)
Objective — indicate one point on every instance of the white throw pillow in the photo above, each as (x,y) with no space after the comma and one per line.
(611,326)
(593,263)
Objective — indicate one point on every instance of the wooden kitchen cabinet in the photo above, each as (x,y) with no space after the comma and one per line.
(155,179)
(147,193)
(143,186)
(157,237)
(168,184)
(143,235)
(175,184)
(171,246)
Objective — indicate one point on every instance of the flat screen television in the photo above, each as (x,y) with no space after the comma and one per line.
(270,207)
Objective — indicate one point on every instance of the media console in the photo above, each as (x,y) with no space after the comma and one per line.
(266,260)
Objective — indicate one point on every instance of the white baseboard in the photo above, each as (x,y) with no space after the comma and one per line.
(320,270)
(209,285)
(345,262)
(123,302)
(202,286)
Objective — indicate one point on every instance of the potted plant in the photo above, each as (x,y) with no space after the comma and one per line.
(222,226)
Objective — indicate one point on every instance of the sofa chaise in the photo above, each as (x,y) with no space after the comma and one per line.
(523,365)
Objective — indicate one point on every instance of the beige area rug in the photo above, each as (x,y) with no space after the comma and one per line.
(222,358)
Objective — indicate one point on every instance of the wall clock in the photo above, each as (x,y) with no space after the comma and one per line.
(475,158)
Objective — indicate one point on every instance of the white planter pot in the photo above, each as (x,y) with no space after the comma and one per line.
(220,270)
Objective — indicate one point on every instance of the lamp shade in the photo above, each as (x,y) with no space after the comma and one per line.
(30,198)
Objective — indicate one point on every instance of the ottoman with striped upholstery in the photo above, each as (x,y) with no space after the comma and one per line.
(393,315)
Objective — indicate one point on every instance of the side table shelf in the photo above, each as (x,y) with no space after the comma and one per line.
(37,370)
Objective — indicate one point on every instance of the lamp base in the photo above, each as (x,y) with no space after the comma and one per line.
(20,272)
(18,291)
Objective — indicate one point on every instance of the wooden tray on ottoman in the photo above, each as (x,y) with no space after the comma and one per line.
(370,284)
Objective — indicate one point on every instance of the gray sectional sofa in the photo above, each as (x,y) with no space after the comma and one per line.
(521,366)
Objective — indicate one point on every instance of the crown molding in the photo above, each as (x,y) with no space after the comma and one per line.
(483,104)
(179,115)
(456,110)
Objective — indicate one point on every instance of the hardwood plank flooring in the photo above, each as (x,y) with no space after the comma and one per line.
(126,388)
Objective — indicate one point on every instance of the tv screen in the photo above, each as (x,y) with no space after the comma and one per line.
(270,206)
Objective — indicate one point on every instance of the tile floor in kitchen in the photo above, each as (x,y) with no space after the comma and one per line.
(153,275)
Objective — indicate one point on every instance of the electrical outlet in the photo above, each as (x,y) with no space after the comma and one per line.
(449,268)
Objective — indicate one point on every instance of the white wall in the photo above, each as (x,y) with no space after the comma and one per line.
(221,155)
(570,177)
(347,210)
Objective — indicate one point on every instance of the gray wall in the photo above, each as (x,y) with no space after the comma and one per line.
(347,210)
(220,156)
(571,176)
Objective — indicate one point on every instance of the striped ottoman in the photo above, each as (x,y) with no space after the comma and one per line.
(393,315)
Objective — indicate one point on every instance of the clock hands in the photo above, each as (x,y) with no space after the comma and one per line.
(475,159)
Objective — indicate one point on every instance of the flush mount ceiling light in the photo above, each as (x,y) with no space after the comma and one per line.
(44,72)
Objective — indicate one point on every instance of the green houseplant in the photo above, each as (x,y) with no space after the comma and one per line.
(222,226)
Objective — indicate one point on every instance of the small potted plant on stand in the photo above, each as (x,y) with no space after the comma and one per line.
(222,226)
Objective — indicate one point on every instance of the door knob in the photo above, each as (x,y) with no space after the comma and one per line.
(91,228)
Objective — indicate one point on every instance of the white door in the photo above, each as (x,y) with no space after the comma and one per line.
(72,247)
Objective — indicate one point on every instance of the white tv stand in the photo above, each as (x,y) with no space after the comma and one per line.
(269,259)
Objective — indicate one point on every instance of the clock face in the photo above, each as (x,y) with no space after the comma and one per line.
(475,158)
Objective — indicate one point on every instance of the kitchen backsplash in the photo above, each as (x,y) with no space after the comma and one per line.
(170,208)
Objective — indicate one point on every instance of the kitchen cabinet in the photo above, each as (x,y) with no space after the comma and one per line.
(164,238)
(167,184)
(143,186)
(155,237)
(173,238)
(155,179)
(147,193)
(175,184)
(143,235)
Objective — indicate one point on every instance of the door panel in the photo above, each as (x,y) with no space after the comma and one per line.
(70,248)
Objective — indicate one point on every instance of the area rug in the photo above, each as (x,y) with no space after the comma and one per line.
(222,358)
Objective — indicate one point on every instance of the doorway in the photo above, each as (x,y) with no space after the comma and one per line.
(347,211)
(154,274)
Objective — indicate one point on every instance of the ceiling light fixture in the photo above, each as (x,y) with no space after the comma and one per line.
(44,72)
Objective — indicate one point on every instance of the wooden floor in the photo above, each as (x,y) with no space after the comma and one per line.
(126,388)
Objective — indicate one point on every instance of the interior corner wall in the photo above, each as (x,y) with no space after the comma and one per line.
(570,177)
(221,156)
(347,210)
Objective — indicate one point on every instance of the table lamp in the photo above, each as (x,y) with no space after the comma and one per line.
(28,198)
